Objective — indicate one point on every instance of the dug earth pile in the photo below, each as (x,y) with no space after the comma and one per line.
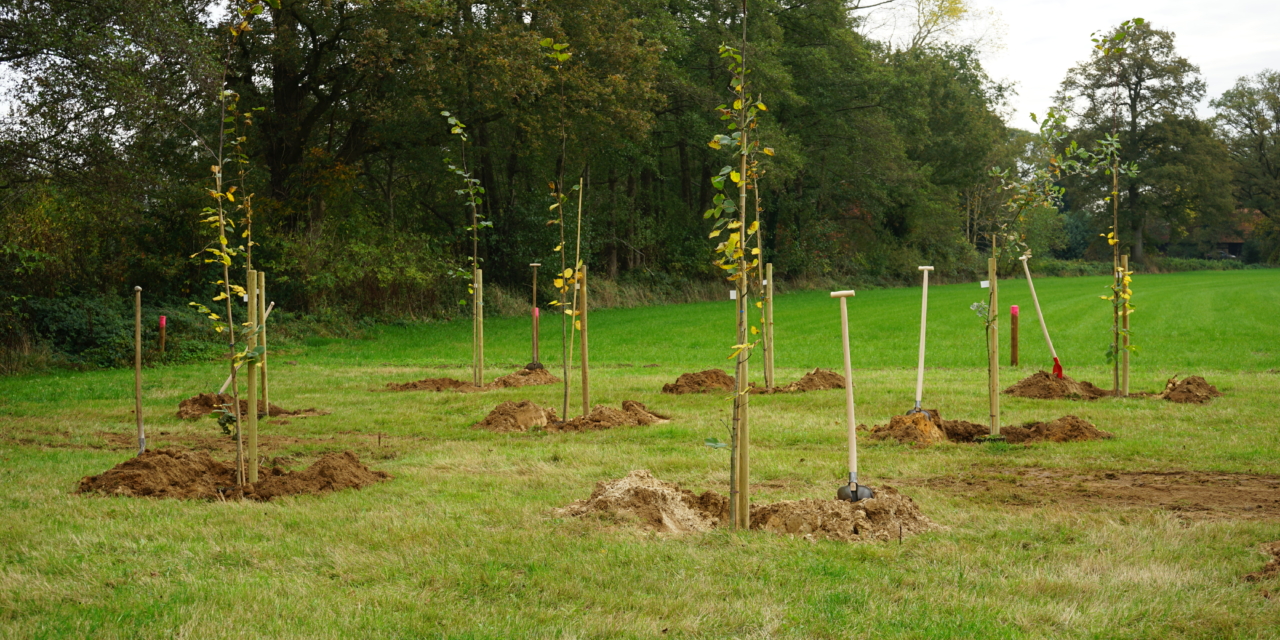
(1272,568)
(1192,390)
(1064,429)
(927,428)
(816,380)
(1043,385)
(701,382)
(665,507)
(177,473)
(526,415)
(521,378)
(204,404)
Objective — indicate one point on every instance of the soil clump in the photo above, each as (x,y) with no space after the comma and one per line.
(668,508)
(1272,568)
(1064,429)
(176,473)
(1043,385)
(520,378)
(203,404)
(517,416)
(917,428)
(633,414)
(816,380)
(1191,390)
(652,503)
(701,382)
(1189,494)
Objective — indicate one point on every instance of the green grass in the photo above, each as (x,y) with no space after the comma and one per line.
(462,542)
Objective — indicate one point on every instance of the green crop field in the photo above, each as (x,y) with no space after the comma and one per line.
(462,543)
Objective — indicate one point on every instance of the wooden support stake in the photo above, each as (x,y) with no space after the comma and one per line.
(262,322)
(586,381)
(480,325)
(1124,352)
(251,455)
(993,349)
(768,325)
(1013,335)
(137,367)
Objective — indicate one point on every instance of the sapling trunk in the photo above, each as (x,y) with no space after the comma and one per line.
(586,379)
(1124,319)
(740,397)
(137,367)
(1116,301)
(252,343)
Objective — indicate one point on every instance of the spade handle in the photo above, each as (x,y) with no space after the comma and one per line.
(848,384)
(1036,301)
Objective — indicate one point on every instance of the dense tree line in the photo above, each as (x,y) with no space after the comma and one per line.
(882,159)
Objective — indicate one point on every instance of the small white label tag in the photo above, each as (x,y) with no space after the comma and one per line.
(577,285)
(986,284)
(765,282)
(246,297)
(733,294)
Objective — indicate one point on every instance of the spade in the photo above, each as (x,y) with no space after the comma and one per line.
(852,492)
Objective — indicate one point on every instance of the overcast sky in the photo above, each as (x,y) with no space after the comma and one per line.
(1043,38)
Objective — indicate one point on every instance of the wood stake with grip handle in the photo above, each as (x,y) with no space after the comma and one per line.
(924,314)
(1057,366)
(852,491)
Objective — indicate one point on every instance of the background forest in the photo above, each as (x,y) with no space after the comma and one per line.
(884,152)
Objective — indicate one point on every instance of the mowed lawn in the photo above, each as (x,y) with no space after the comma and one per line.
(462,543)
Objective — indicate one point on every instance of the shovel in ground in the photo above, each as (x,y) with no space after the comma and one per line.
(852,492)
(1057,366)
(924,315)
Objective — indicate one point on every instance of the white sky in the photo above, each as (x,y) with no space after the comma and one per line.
(1042,39)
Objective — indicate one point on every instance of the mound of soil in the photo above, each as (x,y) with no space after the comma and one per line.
(666,507)
(175,473)
(961,430)
(883,517)
(654,504)
(204,404)
(517,416)
(520,378)
(633,414)
(816,380)
(1043,385)
(917,428)
(1064,429)
(1272,568)
(701,382)
(1192,389)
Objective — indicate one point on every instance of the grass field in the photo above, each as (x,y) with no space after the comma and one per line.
(462,543)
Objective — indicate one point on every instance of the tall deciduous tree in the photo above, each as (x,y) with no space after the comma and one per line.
(1248,117)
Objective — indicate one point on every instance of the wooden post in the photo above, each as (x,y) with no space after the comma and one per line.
(162,331)
(586,381)
(535,266)
(993,349)
(768,325)
(1124,319)
(1013,335)
(262,322)
(480,326)
(475,326)
(251,456)
(137,367)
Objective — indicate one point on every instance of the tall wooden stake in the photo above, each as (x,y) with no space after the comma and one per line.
(1124,319)
(586,381)
(993,349)
(479,327)
(137,367)
(768,325)
(740,398)
(251,456)
(262,322)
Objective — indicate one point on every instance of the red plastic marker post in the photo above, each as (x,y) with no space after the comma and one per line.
(162,325)
(1013,335)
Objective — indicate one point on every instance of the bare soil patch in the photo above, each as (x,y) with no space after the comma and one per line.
(668,508)
(1192,390)
(1191,494)
(526,415)
(1043,385)
(520,378)
(176,473)
(1272,568)
(1064,429)
(701,382)
(927,428)
(203,404)
(816,380)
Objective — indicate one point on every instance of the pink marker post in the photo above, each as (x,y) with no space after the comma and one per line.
(1013,335)
(162,324)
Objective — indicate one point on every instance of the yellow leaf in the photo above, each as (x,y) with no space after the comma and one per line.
(715,233)
(558,247)
(754,227)
(735,177)
(568,273)
(759,304)
(231,197)
(768,151)
(557,283)
(760,106)
(714,144)
(577,324)
(755,251)
(737,104)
